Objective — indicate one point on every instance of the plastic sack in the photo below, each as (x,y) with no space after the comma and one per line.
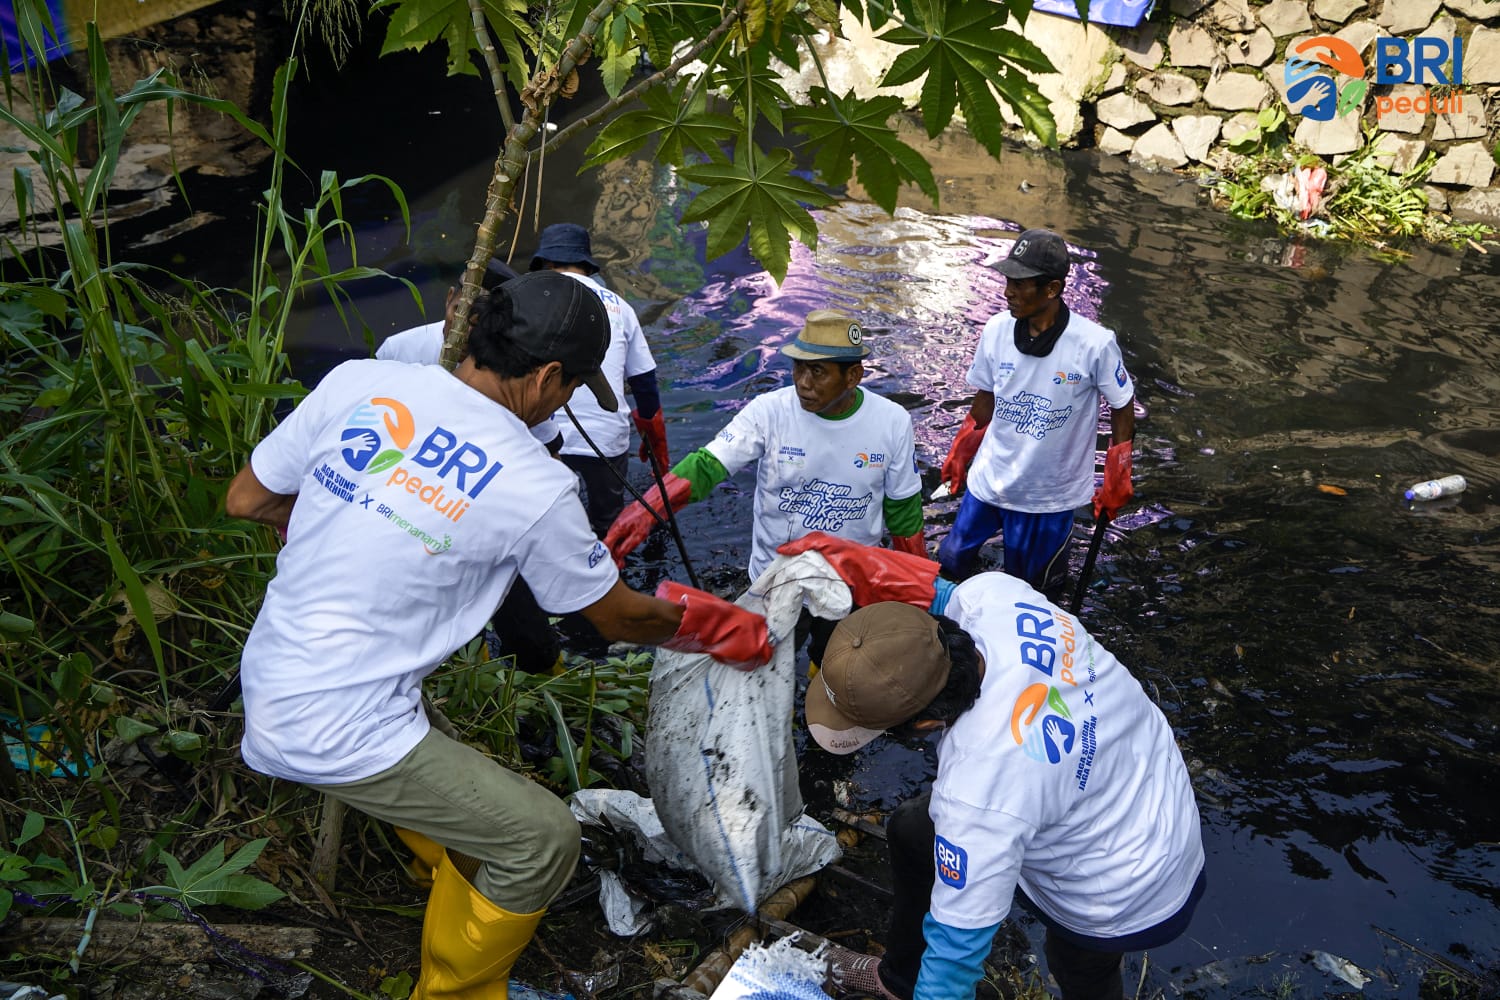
(627,812)
(719,757)
(779,971)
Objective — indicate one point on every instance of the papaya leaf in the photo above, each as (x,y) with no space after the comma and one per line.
(415,24)
(843,130)
(678,119)
(758,194)
(964,49)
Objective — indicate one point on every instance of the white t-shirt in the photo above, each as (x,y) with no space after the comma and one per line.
(423,345)
(1063,778)
(419,500)
(627,356)
(1038,454)
(816,474)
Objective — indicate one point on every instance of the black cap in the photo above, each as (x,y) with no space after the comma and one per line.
(557,318)
(564,243)
(1037,253)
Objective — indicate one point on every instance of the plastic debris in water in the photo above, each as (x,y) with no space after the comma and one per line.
(1341,967)
(1434,488)
(1337,491)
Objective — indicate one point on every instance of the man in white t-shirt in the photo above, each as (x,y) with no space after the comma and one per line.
(1030,433)
(565,247)
(830,456)
(1056,776)
(412,498)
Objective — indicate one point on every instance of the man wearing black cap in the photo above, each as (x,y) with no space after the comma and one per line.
(412,498)
(1030,432)
(565,247)
(830,456)
(1056,776)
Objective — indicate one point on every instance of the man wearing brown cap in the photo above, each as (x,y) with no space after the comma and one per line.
(412,498)
(1056,776)
(830,456)
(1030,433)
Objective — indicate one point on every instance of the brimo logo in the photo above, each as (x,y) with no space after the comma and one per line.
(1310,84)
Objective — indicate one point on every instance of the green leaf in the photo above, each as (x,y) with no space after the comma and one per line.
(415,24)
(676,116)
(130,730)
(964,49)
(135,596)
(30,827)
(15,624)
(756,193)
(843,130)
(617,68)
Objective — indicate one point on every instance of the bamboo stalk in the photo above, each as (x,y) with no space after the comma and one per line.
(711,971)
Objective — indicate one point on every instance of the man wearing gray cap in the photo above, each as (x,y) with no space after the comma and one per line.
(830,456)
(1057,776)
(1038,375)
(412,499)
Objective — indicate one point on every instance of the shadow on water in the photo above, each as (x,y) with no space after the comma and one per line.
(1326,652)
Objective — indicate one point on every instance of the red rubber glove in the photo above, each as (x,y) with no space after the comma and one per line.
(965,445)
(727,632)
(914,545)
(873,574)
(635,522)
(1116,490)
(653,430)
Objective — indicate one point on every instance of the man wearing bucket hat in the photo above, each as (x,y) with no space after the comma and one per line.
(831,456)
(565,247)
(1038,375)
(1056,776)
(412,499)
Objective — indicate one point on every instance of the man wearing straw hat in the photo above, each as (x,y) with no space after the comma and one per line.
(831,456)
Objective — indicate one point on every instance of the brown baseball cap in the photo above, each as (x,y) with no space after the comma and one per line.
(883,665)
(828,335)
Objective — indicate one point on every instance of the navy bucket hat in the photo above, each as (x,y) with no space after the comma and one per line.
(564,243)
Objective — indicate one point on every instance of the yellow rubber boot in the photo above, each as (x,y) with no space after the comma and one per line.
(427,855)
(468,943)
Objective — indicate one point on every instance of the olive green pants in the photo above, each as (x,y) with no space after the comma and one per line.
(523,837)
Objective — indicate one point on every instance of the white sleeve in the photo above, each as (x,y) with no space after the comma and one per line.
(982,369)
(421,345)
(638,359)
(1110,376)
(901,479)
(743,440)
(280,461)
(561,560)
(546,431)
(978,854)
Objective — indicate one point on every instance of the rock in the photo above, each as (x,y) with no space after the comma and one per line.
(1187,8)
(1172,89)
(1122,111)
(1236,92)
(1232,15)
(1476,206)
(1482,56)
(1437,198)
(1465,121)
(1141,47)
(1402,17)
(1468,165)
(1396,154)
(1197,133)
(1475,10)
(1114,142)
(1443,26)
(1338,11)
(1407,121)
(1237,125)
(1359,34)
(1253,50)
(1285,17)
(1190,45)
(1341,135)
(1159,145)
(1115,82)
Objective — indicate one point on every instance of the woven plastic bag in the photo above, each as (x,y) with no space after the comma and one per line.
(719,756)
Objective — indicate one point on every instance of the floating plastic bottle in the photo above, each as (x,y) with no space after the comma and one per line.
(1434,488)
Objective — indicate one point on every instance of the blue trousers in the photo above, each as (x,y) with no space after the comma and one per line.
(1034,543)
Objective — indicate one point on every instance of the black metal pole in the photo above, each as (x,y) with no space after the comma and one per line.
(661,486)
(1084,575)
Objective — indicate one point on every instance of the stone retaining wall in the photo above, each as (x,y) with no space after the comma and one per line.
(1175,91)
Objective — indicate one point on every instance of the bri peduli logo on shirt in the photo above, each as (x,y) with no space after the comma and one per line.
(952,862)
(1040,722)
(442,472)
(874,459)
(1067,378)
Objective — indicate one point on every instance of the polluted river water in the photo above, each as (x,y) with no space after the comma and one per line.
(1326,651)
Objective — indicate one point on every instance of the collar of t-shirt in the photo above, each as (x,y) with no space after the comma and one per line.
(1041,345)
(859,398)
